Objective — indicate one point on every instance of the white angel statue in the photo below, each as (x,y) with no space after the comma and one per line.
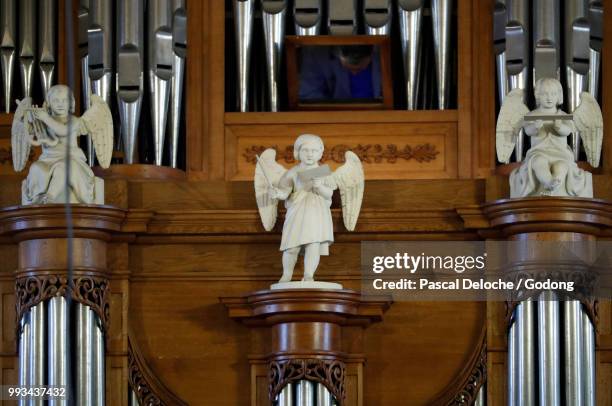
(48,127)
(307,189)
(549,168)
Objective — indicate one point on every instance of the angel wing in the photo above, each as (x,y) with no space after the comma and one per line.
(509,123)
(98,122)
(350,180)
(267,174)
(589,121)
(20,137)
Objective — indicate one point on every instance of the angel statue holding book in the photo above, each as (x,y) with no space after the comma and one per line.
(549,167)
(307,190)
(55,130)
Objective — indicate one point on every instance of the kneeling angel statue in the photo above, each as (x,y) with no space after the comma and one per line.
(55,130)
(307,190)
(549,168)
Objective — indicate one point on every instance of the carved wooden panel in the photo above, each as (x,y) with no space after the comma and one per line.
(387,150)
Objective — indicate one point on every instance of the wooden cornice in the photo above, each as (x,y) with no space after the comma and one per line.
(215,222)
(505,217)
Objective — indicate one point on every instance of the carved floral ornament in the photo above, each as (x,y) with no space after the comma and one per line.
(92,291)
(330,373)
(368,153)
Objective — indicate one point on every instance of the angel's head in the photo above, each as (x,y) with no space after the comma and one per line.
(60,100)
(548,93)
(308,149)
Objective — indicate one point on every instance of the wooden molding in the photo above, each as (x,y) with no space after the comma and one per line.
(464,388)
(148,388)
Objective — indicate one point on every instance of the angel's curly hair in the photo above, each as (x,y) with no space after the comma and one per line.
(303,139)
(56,88)
(556,85)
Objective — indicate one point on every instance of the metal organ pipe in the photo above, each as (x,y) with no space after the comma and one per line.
(27,48)
(57,341)
(161,59)
(377,16)
(441,11)
(37,349)
(342,18)
(179,40)
(307,17)
(130,72)
(273,15)
(8,44)
(410,14)
(47,27)
(243,25)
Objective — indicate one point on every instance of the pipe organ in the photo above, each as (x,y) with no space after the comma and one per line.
(111,49)
(518,62)
(344,18)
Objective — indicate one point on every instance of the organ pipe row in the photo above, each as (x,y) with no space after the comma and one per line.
(565,340)
(518,58)
(45,357)
(305,393)
(342,19)
(121,37)
(28,37)
(111,39)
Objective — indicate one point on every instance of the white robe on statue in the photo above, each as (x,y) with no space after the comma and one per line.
(552,148)
(46,180)
(308,219)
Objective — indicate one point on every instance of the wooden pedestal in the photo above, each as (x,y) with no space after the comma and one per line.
(300,334)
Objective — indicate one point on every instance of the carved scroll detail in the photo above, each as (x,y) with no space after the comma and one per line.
(147,387)
(330,373)
(478,376)
(92,291)
(368,153)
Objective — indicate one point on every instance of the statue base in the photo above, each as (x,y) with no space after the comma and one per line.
(305,285)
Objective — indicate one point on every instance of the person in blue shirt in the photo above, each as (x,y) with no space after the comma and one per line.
(340,73)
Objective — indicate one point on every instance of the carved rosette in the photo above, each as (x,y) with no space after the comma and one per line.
(90,290)
(327,372)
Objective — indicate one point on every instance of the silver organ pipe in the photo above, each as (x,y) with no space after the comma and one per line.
(546,37)
(342,17)
(27,48)
(161,59)
(47,28)
(273,15)
(100,59)
(243,25)
(8,45)
(179,40)
(84,353)
(130,72)
(24,353)
(549,350)
(37,349)
(377,16)
(441,11)
(307,17)
(410,14)
(57,341)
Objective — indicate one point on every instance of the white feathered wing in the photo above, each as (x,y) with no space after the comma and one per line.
(350,180)
(98,122)
(509,124)
(589,122)
(268,173)
(20,137)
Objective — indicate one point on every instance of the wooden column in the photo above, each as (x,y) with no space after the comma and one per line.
(302,337)
(541,220)
(41,233)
